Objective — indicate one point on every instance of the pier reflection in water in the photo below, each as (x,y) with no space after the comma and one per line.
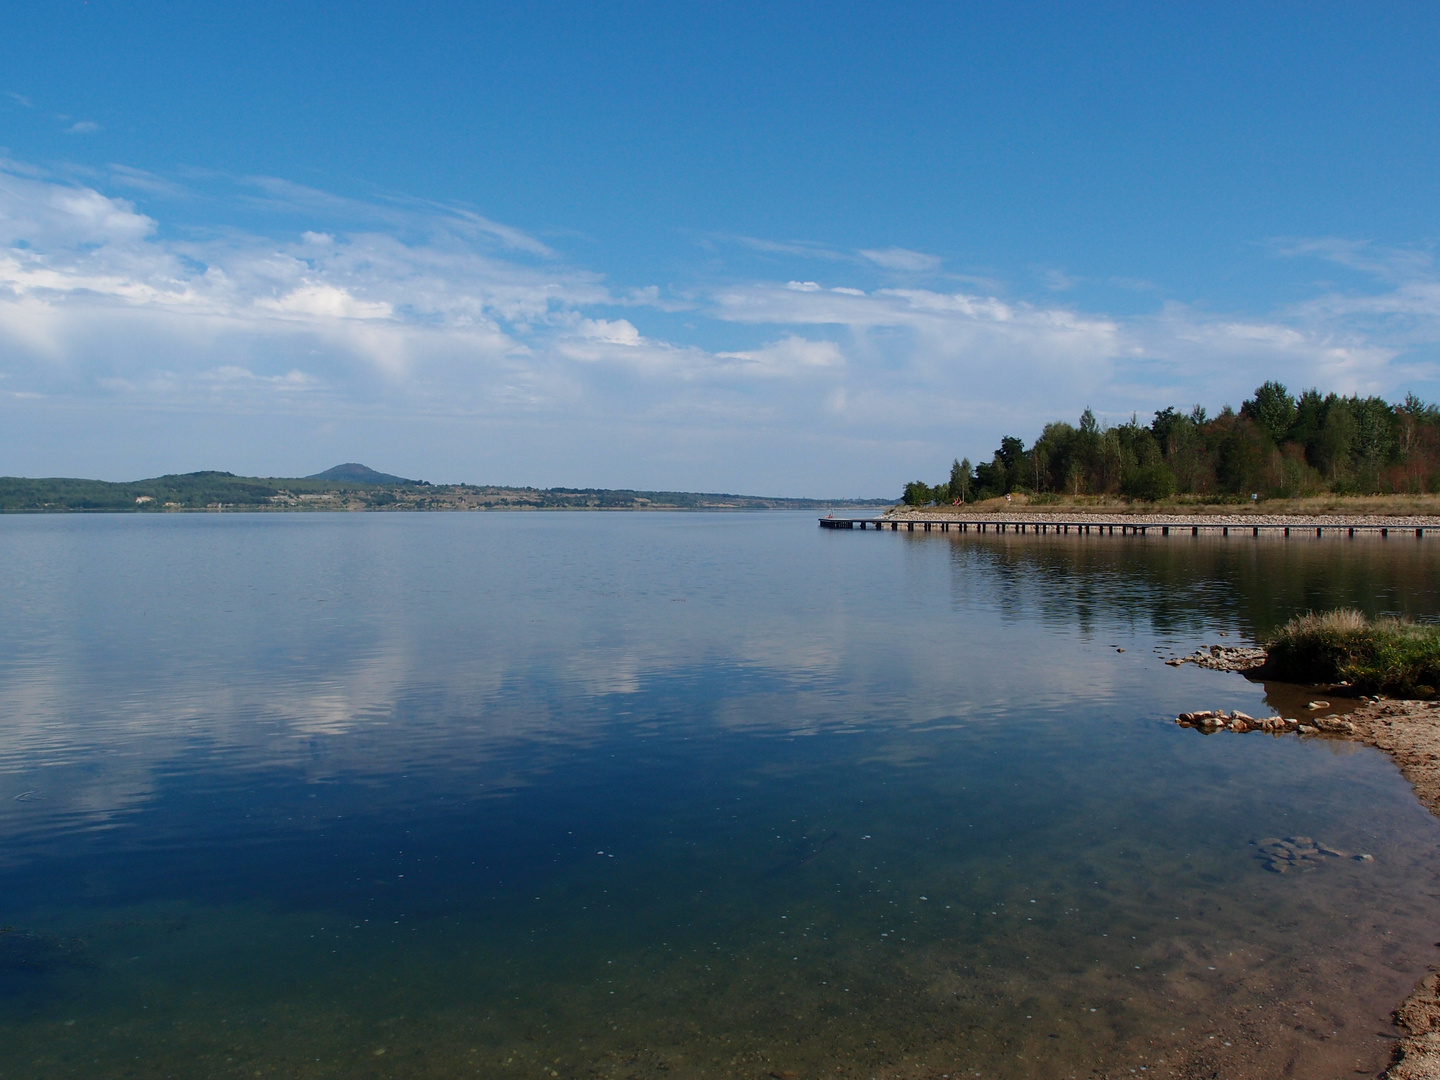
(693,794)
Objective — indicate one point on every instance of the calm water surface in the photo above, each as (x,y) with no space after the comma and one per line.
(564,795)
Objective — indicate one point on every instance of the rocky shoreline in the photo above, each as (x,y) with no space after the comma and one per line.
(1409,731)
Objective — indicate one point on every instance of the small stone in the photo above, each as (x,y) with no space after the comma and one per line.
(1238,715)
(1364,858)
(1312,706)
(1306,729)
(1240,727)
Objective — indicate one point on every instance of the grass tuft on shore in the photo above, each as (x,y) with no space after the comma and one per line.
(1379,656)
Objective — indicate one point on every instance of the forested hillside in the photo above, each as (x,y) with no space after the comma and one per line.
(1277,445)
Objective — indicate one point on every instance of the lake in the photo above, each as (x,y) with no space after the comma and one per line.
(682,795)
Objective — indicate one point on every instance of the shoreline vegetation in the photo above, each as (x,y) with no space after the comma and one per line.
(1277,446)
(355,488)
(1345,648)
(1344,653)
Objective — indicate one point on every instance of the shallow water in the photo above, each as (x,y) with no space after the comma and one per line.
(695,795)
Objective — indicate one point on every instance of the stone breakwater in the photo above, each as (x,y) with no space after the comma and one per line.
(1131,517)
(1409,731)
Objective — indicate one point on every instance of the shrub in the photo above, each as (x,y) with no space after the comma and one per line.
(1151,482)
(1381,656)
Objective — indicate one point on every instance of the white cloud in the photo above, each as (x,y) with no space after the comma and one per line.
(898,258)
(140,180)
(610,331)
(790,356)
(327,302)
(1394,264)
(397,310)
(82,127)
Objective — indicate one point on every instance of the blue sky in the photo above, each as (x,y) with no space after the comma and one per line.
(778,248)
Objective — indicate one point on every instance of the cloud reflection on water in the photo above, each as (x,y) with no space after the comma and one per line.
(486,649)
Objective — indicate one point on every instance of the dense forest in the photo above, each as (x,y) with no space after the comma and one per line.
(1277,445)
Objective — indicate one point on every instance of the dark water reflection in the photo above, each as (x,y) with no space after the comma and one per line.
(1184,584)
(562,795)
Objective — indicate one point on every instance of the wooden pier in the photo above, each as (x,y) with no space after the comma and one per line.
(1059,527)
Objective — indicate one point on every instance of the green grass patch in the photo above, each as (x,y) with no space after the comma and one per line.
(1375,656)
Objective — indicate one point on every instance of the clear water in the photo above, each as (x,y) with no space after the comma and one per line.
(542,795)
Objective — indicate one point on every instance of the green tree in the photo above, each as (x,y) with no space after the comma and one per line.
(990,478)
(1272,410)
(1012,455)
(1240,453)
(960,480)
(1153,481)
(1330,447)
(917,493)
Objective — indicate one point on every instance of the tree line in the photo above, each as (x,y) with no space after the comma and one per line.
(1277,446)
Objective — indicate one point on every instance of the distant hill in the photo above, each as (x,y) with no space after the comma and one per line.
(352,472)
(355,487)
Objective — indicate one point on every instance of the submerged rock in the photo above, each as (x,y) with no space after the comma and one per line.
(1298,854)
(1222,658)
